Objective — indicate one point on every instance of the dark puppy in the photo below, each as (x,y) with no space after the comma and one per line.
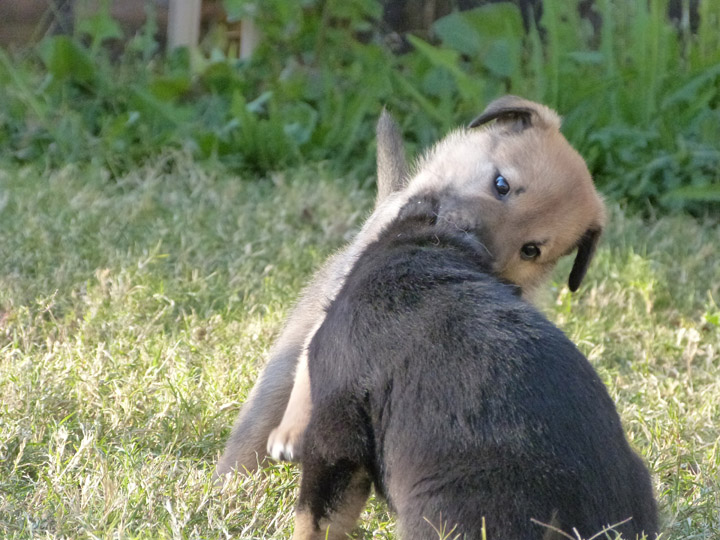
(460,402)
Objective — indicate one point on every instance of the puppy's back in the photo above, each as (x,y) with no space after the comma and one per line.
(478,406)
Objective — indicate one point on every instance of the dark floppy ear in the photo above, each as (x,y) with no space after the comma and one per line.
(586,250)
(391,166)
(512,109)
(518,114)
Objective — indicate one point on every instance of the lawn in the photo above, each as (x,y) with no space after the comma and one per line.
(136,312)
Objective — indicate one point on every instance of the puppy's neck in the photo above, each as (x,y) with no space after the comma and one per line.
(418,224)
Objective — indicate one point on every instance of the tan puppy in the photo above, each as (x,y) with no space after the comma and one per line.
(268,399)
(528,188)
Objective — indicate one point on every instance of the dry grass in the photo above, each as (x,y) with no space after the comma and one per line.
(135,315)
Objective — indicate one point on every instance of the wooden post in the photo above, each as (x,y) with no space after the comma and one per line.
(183,23)
(249,38)
(63,17)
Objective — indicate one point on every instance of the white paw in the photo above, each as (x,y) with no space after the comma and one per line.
(284,444)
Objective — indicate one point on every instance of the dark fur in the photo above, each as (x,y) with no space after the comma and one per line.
(458,401)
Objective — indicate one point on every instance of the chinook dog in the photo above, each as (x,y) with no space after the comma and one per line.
(512,171)
(459,402)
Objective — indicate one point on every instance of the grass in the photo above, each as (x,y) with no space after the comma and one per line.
(136,312)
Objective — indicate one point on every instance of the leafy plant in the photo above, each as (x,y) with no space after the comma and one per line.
(640,94)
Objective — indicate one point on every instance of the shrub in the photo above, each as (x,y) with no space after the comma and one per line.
(640,94)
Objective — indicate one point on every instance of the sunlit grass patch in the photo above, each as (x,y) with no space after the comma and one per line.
(135,315)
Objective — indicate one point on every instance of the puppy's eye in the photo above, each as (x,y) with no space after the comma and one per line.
(530,251)
(501,185)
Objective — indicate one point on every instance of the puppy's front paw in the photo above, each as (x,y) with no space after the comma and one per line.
(285,443)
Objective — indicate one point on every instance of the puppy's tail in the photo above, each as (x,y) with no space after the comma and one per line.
(391,167)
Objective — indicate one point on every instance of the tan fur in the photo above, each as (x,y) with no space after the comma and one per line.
(305,528)
(264,407)
(285,441)
(266,403)
(339,524)
(553,203)
(559,202)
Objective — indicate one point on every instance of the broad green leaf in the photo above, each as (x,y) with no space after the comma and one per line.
(448,59)
(170,88)
(457,32)
(489,35)
(299,122)
(710,193)
(471,31)
(590,58)
(66,59)
(100,27)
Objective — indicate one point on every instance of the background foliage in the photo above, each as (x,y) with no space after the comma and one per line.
(640,93)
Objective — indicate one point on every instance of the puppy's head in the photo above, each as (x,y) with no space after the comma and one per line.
(515,181)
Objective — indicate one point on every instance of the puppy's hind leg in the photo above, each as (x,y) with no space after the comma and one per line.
(335,482)
(269,397)
(285,441)
(331,499)
(262,411)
